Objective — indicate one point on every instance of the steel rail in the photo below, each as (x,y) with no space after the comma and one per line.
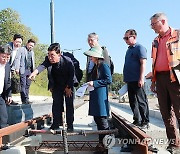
(19,126)
(141,137)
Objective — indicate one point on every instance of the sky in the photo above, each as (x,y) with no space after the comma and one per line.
(75,19)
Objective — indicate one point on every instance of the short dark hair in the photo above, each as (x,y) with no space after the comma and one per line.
(131,32)
(31,40)
(16,36)
(55,47)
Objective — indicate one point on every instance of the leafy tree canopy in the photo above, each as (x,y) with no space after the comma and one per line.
(10,24)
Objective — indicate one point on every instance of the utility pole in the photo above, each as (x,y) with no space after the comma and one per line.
(52,21)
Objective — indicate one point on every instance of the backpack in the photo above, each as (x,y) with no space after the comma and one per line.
(108,59)
(111,66)
(78,71)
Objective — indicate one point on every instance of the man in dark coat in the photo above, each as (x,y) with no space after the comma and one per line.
(61,80)
(5,87)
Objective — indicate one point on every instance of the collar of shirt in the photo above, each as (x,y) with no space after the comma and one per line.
(2,70)
(2,65)
(166,34)
(133,46)
(58,64)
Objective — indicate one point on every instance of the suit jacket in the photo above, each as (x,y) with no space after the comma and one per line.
(7,83)
(68,75)
(21,60)
(11,60)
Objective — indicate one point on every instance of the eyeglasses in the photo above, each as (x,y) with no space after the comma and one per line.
(153,24)
(127,38)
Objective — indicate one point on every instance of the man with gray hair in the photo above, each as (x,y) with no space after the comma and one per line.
(166,58)
(93,42)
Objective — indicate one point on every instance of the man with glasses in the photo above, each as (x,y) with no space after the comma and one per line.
(93,41)
(134,69)
(166,58)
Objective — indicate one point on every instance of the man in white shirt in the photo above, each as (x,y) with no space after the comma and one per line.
(5,87)
(15,45)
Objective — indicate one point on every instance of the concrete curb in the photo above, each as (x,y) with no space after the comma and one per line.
(153,113)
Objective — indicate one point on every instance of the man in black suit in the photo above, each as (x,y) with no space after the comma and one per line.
(61,79)
(5,86)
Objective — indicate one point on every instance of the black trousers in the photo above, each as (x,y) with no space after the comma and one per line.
(138,102)
(3,113)
(102,124)
(25,85)
(58,96)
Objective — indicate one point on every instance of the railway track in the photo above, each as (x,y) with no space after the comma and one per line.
(81,140)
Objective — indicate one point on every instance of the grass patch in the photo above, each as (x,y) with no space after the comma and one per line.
(38,90)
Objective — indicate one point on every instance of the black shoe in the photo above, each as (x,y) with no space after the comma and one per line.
(27,102)
(13,103)
(144,125)
(61,124)
(70,128)
(173,149)
(24,102)
(137,123)
(54,127)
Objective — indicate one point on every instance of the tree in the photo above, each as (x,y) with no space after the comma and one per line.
(117,82)
(40,53)
(10,24)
